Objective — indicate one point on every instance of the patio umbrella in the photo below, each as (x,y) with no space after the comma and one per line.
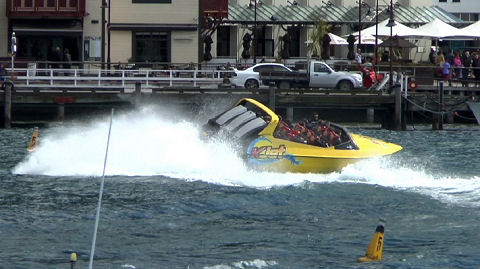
(438,29)
(473,29)
(368,39)
(399,29)
(336,40)
(397,42)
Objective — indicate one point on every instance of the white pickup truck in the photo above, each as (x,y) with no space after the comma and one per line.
(318,75)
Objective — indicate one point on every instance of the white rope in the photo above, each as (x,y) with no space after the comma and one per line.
(99,205)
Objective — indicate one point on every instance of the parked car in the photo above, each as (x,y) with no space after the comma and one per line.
(317,75)
(250,77)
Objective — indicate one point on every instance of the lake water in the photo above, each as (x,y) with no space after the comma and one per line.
(173,201)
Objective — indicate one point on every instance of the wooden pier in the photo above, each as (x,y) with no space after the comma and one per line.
(55,96)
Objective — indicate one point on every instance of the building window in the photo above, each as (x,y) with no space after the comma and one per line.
(456,1)
(152,1)
(152,47)
(442,1)
(223,41)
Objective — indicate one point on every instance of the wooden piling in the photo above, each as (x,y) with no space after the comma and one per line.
(271,98)
(61,111)
(437,123)
(7,119)
(370,115)
(290,113)
(398,108)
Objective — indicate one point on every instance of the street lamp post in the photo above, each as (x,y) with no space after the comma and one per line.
(255,33)
(359,23)
(102,49)
(376,37)
(390,24)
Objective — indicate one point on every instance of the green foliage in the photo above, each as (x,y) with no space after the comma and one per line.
(320,29)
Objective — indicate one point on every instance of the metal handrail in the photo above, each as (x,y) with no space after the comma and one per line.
(82,78)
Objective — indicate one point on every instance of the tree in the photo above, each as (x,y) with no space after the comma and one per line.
(320,29)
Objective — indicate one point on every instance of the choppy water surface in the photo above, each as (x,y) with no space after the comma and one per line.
(173,201)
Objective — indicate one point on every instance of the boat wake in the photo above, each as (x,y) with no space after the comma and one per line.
(149,143)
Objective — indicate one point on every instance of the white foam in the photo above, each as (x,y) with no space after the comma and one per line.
(257,263)
(149,143)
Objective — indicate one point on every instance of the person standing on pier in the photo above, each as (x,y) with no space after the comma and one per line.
(476,67)
(3,72)
(467,63)
(358,56)
(457,64)
(67,58)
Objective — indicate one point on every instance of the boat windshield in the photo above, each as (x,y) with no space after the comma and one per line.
(230,114)
(251,127)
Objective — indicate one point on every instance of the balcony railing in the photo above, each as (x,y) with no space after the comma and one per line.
(42,8)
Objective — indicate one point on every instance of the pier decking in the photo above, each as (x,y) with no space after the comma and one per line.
(59,92)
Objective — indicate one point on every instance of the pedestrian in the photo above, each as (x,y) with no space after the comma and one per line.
(432,55)
(56,58)
(446,72)
(449,57)
(476,67)
(467,63)
(358,56)
(3,72)
(439,62)
(457,65)
(385,56)
(67,58)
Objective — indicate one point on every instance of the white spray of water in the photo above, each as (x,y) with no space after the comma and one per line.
(149,143)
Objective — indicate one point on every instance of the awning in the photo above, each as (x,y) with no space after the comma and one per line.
(290,14)
(153,27)
(61,27)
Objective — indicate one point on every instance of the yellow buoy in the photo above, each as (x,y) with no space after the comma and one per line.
(33,140)
(375,248)
(73,260)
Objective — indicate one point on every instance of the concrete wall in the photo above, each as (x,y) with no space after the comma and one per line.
(121,47)
(178,12)
(184,47)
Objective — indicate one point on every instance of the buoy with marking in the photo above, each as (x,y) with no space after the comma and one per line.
(73,260)
(33,140)
(375,248)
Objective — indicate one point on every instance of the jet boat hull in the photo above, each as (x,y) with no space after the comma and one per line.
(264,148)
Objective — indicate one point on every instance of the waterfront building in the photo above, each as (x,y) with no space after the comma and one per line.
(160,32)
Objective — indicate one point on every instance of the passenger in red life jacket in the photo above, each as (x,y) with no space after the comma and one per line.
(283,130)
(369,77)
(298,133)
(328,134)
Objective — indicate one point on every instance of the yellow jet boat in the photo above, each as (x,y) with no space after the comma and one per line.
(269,143)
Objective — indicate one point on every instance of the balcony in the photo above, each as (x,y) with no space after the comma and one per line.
(45,8)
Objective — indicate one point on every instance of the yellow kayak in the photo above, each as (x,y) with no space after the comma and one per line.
(268,143)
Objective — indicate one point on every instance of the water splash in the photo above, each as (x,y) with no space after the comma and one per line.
(149,143)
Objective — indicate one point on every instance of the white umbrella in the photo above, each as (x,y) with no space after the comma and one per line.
(399,29)
(336,40)
(368,39)
(441,30)
(473,29)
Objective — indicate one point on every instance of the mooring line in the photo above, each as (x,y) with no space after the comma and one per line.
(99,205)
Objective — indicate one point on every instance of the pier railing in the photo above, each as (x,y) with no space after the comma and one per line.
(115,79)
